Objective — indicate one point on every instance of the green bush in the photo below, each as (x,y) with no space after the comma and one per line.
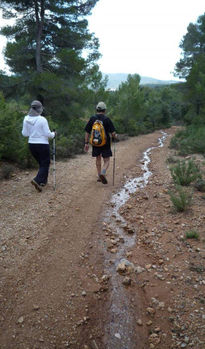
(192,235)
(190,141)
(12,145)
(6,171)
(181,199)
(200,185)
(67,147)
(185,172)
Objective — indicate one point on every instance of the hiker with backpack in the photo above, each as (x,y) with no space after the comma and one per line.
(37,129)
(98,129)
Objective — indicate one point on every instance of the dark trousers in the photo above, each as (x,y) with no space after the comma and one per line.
(41,152)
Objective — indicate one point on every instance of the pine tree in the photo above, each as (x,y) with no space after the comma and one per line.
(48,35)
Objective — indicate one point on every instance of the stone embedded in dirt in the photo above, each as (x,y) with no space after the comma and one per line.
(84,293)
(127,281)
(139,269)
(151,311)
(103,289)
(148,266)
(121,268)
(131,230)
(154,301)
(117,335)
(157,329)
(154,339)
(161,305)
(20,320)
(105,278)
(109,244)
(113,250)
(36,307)
(145,196)
(125,267)
(149,323)
(139,322)
(94,344)
(159,276)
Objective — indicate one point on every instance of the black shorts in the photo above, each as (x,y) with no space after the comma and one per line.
(105,151)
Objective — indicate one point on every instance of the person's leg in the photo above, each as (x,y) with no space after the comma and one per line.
(35,153)
(106,163)
(98,164)
(44,163)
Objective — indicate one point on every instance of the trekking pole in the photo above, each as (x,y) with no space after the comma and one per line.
(54,162)
(113,174)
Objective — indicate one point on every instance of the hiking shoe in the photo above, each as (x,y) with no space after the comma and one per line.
(99,180)
(36,185)
(42,184)
(103,178)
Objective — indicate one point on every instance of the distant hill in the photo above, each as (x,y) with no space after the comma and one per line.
(115,79)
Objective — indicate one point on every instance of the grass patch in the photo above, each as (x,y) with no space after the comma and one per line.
(197,268)
(185,172)
(192,235)
(181,199)
(172,160)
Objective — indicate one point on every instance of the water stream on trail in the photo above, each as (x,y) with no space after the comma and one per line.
(119,329)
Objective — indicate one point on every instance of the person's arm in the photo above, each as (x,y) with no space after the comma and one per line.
(86,147)
(114,135)
(46,130)
(112,130)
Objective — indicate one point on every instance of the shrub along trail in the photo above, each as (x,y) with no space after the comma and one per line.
(53,291)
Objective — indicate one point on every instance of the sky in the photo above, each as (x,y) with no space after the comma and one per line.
(142,36)
(139,36)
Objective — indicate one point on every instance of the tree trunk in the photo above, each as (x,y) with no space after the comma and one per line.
(39,29)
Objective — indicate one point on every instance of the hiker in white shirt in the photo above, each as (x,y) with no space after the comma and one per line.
(36,128)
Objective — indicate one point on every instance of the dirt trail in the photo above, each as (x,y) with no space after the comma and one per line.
(53,292)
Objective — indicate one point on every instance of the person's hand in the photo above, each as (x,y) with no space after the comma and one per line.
(114,137)
(86,147)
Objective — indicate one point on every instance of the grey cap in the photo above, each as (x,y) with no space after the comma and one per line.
(36,108)
(101,106)
(36,104)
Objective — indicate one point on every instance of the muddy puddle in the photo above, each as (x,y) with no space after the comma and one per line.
(121,324)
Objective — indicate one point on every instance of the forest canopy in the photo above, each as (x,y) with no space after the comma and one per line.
(45,53)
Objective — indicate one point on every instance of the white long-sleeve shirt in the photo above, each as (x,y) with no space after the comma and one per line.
(37,129)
